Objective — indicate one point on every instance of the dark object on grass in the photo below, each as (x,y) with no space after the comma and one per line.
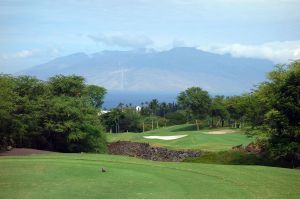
(103,170)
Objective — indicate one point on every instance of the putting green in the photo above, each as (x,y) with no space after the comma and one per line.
(197,140)
(77,176)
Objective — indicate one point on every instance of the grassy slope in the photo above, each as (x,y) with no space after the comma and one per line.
(194,140)
(77,176)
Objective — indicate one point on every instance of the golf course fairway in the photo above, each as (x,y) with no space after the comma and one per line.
(196,140)
(79,176)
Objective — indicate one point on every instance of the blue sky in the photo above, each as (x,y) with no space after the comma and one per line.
(34,31)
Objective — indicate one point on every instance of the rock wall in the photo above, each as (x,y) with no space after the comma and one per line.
(145,151)
(250,148)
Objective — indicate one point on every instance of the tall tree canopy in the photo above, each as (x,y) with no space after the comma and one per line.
(218,109)
(281,96)
(60,114)
(195,100)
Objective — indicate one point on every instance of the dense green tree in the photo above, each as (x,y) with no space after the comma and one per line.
(67,85)
(281,94)
(156,108)
(96,94)
(254,109)
(235,108)
(7,106)
(122,120)
(153,106)
(177,117)
(131,121)
(32,94)
(59,114)
(218,110)
(111,120)
(30,87)
(71,124)
(195,100)
(163,109)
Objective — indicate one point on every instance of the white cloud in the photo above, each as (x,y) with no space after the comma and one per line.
(122,40)
(27,53)
(278,52)
(20,54)
(30,53)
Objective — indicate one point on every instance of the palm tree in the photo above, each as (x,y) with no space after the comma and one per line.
(153,105)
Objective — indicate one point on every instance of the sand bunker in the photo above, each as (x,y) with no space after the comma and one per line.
(220,132)
(172,137)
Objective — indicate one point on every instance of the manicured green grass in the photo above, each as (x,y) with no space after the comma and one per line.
(78,176)
(197,140)
(235,158)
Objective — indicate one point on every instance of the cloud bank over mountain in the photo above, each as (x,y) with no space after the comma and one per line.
(278,52)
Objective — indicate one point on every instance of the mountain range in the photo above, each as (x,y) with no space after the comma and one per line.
(161,72)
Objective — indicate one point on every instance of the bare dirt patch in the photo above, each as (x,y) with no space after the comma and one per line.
(22,152)
(219,132)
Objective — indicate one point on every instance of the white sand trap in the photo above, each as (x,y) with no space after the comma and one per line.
(172,137)
(220,132)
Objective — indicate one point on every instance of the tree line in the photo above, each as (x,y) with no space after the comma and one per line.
(60,114)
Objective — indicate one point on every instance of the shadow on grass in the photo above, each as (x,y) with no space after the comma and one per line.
(190,127)
(238,158)
(193,127)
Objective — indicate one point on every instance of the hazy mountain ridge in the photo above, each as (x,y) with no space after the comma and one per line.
(171,70)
